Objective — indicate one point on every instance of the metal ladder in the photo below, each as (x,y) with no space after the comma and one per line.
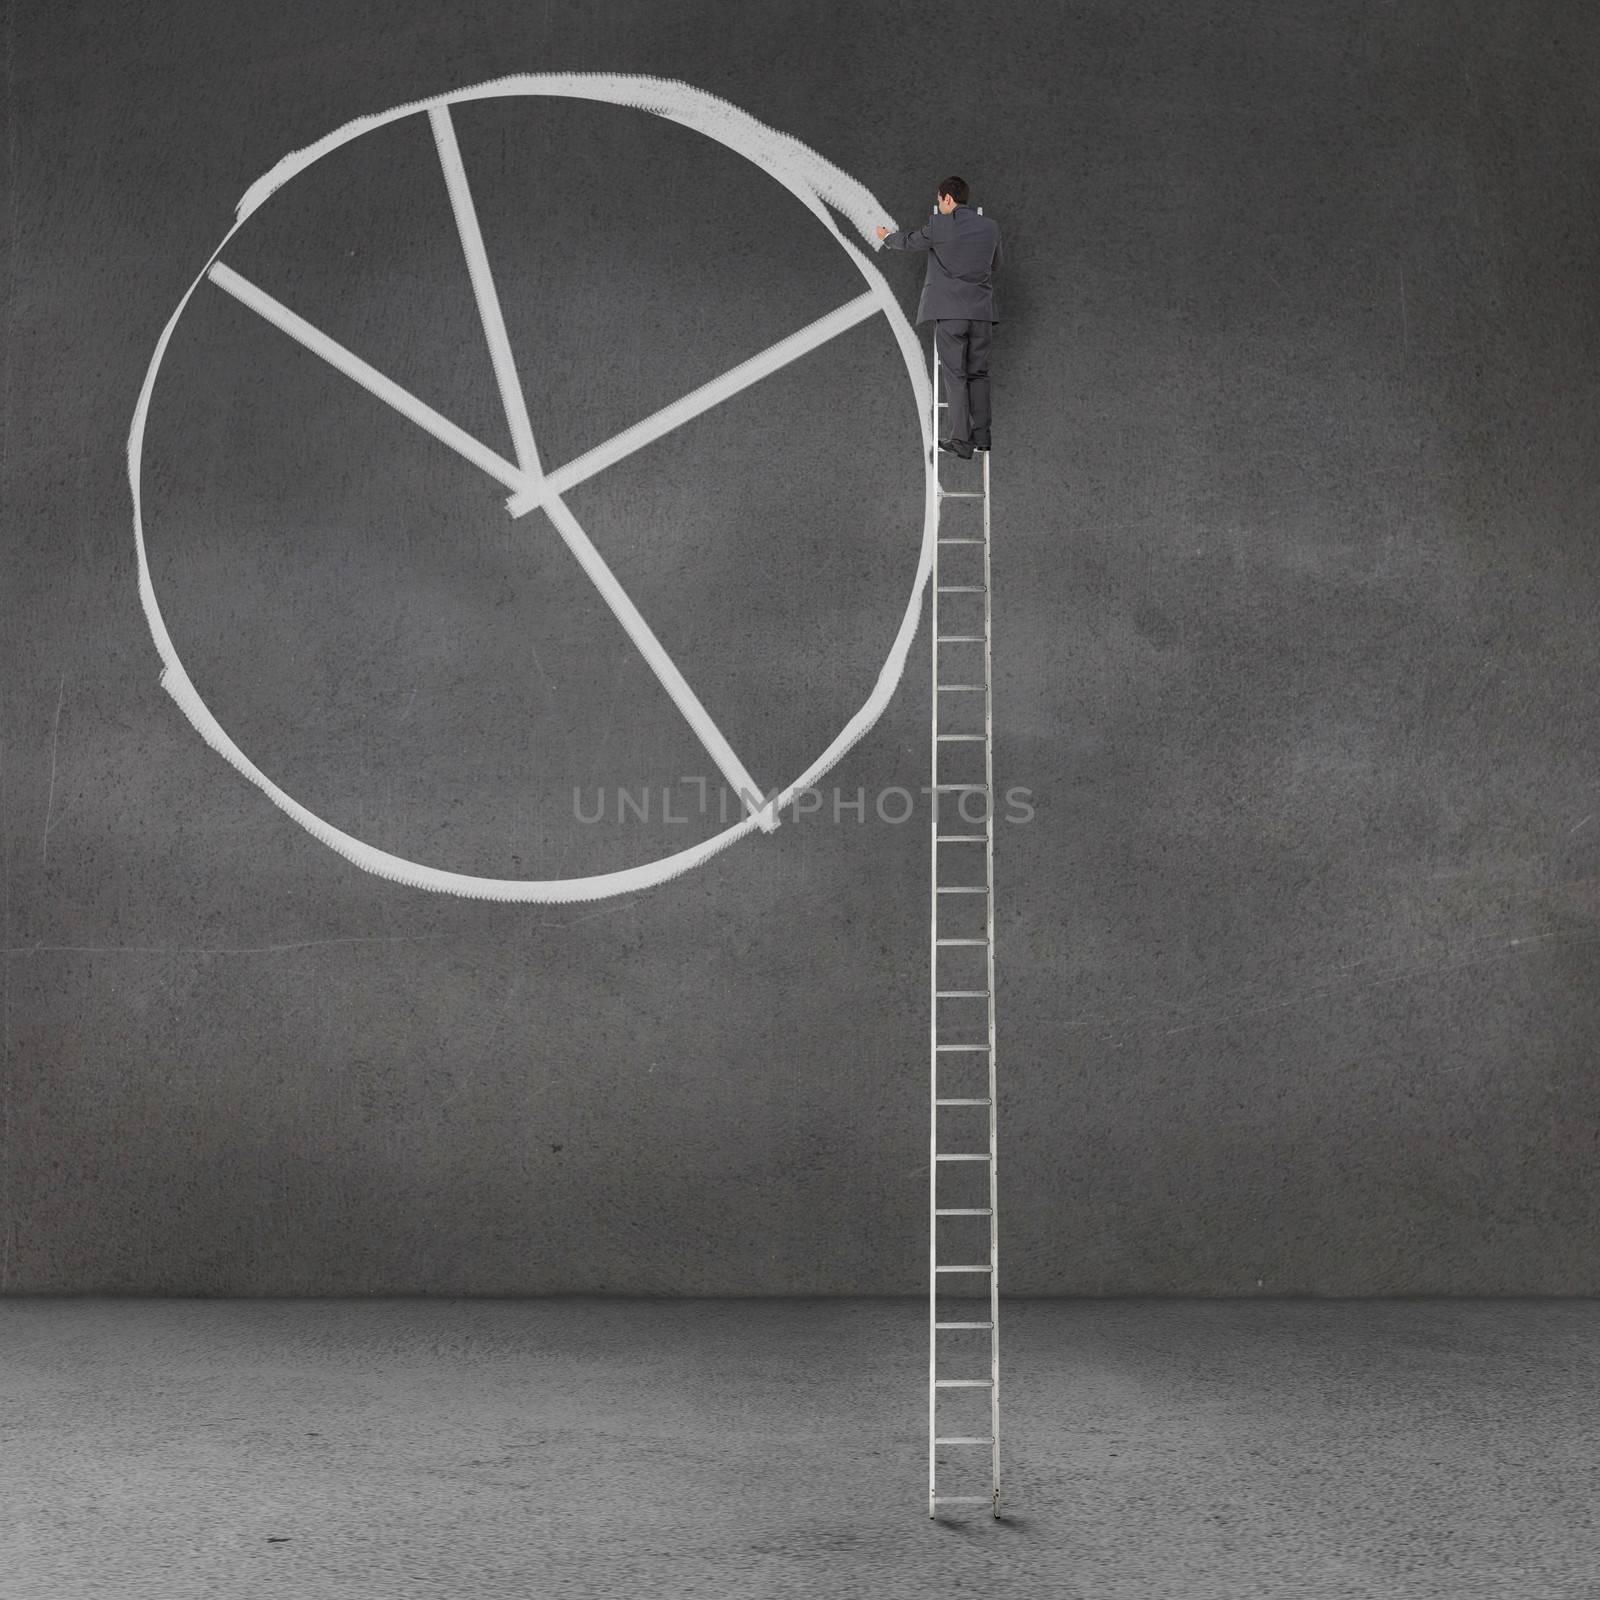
(961,972)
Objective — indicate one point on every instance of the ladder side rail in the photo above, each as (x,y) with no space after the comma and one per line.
(933,985)
(994,1109)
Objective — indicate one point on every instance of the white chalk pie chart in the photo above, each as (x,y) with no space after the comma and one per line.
(517,448)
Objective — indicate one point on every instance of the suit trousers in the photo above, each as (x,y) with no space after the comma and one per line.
(963,348)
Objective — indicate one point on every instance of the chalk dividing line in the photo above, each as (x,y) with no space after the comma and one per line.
(532,487)
(386,389)
(494,324)
(692,405)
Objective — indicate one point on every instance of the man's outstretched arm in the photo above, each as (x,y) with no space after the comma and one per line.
(906,238)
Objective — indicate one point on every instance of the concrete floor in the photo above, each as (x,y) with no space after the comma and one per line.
(389,1448)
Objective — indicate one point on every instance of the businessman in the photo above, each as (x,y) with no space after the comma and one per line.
(958,298)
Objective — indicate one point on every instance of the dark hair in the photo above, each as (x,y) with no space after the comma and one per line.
(956,188)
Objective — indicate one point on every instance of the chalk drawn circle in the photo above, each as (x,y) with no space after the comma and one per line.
(818,185)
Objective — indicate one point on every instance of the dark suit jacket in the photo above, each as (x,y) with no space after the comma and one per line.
(963,258)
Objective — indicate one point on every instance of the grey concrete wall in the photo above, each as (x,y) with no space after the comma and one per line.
(1295,497)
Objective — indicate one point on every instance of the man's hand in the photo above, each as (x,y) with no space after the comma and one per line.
(883,233)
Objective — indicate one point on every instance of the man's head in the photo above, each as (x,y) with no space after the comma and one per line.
(953,192)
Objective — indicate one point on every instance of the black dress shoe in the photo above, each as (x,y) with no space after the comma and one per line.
(980,442)
(957,447)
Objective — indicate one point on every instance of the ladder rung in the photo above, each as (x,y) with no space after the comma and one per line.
(961,494)
(962,838)
(963,1211)
(961,738)
(960,994)
(959,888)
(962,1269)
(956,1102)
(943,1048)
(960,638)
(983,1157)
(959,788)
(961,588)
(961,541)
(960,941)
(963,1383)
(962,1499)
(963,1324)
(962,1438)
(960,688)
